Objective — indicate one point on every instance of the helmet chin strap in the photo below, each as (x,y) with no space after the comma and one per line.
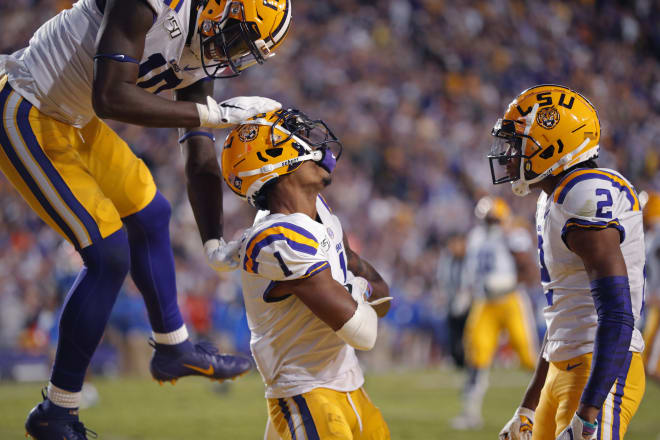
(520,187)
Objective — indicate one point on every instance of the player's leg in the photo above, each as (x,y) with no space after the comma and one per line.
(319,414)
(651,353)
(518,318)
(38,158)
(480,341)
(126,180)
(544,416)
(571,378)
(623,400)
(374,426)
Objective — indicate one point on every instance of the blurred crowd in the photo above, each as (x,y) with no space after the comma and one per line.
(412,89)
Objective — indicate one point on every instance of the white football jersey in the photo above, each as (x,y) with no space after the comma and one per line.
(490,269)
(54,73)
(294,350)
(593,199)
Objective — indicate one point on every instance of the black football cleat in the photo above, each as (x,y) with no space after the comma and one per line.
(48,421)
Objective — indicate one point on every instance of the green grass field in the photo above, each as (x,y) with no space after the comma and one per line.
(416,405)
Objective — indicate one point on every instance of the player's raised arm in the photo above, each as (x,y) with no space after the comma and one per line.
(115,95)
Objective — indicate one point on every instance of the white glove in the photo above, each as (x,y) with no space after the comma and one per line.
(360,290)
(222,256)
(578,430)
(520,426)
(233,111)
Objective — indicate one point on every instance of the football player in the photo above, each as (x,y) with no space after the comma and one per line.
(109,59)
(589,379)
(310,299)
(498,263)
(652,306)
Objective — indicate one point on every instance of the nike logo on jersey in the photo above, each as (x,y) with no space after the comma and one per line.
(569,367)
(208,371)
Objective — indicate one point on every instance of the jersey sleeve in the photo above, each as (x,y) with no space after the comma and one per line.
(284,251)
(595,201)
(159,6)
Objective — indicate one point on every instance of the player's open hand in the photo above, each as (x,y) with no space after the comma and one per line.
(520,426)
(233,111)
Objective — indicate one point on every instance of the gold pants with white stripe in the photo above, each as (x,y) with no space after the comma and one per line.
(80,181)
(325,414)
(563,388)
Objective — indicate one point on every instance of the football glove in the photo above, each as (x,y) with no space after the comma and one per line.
(360,290)
(579,429)
(233,111)
(520,426)
(222,256)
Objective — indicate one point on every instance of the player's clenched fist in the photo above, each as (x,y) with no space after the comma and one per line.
(234,110)
(520,426)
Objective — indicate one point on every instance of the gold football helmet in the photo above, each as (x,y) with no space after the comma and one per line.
(235,35)
(271,145)
(550,128)
(492,209)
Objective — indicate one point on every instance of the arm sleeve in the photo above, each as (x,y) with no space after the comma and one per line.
(284,251)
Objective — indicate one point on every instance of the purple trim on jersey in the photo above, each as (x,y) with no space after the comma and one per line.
(8,148)
(613,335)
(577,223)
(325,203)
(268,299)
(306,415)
(60,186)
(587,176)
(287,416)
(315,268)
(301,247)
(548,297)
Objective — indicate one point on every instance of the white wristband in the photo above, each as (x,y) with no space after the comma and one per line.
(361,330)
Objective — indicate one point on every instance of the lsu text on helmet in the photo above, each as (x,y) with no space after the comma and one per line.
(549,129)
(271,145)
(493,209)
(235,35)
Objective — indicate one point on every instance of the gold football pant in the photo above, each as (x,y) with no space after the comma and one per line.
(325,414)
(652,341)
(487,318)
(80,181)
(562,391)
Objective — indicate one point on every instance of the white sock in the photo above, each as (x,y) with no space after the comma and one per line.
(63,398)
(172,338)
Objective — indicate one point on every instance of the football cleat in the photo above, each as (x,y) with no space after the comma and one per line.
(203,359)
(47,421)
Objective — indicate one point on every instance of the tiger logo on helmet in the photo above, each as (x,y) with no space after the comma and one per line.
(234,35)
(549,128)
(271,145)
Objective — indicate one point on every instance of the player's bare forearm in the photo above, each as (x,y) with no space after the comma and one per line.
(360,267)
(533,392)
(115,94)
(203,178)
